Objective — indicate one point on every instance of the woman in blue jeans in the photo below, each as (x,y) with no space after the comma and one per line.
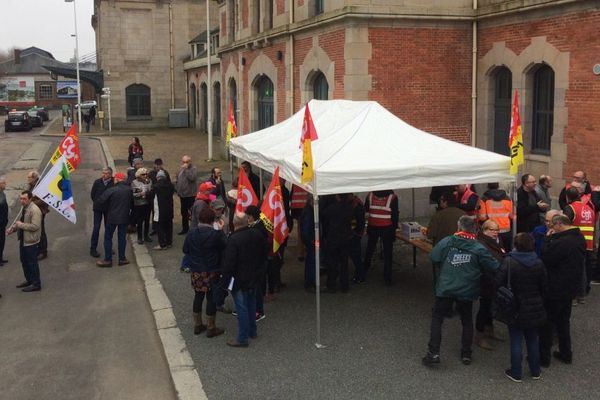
(528,284)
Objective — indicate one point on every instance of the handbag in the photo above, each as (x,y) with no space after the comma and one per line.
(506,303)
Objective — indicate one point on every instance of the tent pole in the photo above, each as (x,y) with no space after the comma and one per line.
(230,163)
(317,269)
(514,208)
(260,189)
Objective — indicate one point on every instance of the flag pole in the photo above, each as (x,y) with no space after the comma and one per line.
(318,344)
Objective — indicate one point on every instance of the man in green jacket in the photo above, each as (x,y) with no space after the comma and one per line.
(459,259)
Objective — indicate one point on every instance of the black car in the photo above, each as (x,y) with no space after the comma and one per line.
(42,111)
(17,121)
(35,119)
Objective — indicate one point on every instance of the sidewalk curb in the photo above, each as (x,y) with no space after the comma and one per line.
(183,372)
(181,366)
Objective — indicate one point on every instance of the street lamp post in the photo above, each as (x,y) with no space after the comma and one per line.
(208,84)
(106,96)
(77,65)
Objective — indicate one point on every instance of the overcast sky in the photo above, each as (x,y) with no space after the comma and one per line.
(47,24)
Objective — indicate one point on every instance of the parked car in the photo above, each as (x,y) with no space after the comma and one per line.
(86,105)
(35,119)
(17,121)
(42,111)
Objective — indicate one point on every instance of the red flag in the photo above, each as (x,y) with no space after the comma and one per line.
(272,213)
(309,133)
(245,194)
(231,126)
(68,147)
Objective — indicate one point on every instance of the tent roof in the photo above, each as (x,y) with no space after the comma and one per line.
(363,147)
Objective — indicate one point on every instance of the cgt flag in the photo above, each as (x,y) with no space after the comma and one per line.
(515,140)
(272,213)
(54,189)
(245,194)
(69,148)
(309,133)
(231,126)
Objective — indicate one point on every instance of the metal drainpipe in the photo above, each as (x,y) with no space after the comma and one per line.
(291,57)
(171,66)
(474,81)
(208,85)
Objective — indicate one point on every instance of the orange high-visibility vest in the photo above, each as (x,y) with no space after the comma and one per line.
(299,197)
(585,220)
(380,211)
(498,211)
(465,199)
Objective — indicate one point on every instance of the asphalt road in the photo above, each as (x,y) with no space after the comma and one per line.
(89,334)
(375,338)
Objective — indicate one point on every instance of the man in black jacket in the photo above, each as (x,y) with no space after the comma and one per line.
(339,233)
(100,185)
(529,205)
(563,254)
(3,218)
(116,202)
(243,266)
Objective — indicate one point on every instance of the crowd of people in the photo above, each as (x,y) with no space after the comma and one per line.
(545,270)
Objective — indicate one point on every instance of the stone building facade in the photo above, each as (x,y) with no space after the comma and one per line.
(141,46)
(419,59)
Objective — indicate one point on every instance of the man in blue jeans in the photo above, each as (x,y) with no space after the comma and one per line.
(100,186)
(29,231)
(243,267)
(116,203)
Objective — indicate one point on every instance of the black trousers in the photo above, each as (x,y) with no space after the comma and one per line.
(337,265)
(142,220)
(164,231)
(186,205)
(2,241)
(559,318)
(485,317)
(442,306)
(43,246)
(387,237)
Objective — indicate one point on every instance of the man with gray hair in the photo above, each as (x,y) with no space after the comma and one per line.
(243,267)
(3,218)
(458,261)
(98,187)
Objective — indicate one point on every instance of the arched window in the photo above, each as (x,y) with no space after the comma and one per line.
(137,101)
(193,107)
(204,100)
(217,109)
(502,109)
(320,87)
(233,98)
(264,88)
(543,109)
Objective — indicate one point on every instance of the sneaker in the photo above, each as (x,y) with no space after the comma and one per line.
(234,313)
(158,247)
(260,317)
(536,377)
(431,359)
(510,376)
(466,360)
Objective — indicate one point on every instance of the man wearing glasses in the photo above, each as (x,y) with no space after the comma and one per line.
(529,205)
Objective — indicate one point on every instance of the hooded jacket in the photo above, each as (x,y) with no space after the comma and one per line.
(563,254)
(460,262)
(528,284)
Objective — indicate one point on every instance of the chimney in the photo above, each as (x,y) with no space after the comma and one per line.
(17,56)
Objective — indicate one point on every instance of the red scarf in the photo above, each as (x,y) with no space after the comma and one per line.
(465,235)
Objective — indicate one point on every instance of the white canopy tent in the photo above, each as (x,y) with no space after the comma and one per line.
(362,147)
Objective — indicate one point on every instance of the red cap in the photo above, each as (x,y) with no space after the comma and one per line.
(206,186)
(119,176)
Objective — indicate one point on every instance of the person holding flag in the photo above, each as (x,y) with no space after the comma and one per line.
(246,196)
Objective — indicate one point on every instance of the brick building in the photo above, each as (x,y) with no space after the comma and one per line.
(445,67)
(141,46)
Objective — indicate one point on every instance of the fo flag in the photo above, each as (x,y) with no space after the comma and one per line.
(515,140)
(231,126)
(69,148)
(309,133)
(245,194)
(272,213)
(54,189)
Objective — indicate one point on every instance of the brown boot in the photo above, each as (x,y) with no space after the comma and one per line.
(481,341)
(212,329)
(490,334)
(198,326)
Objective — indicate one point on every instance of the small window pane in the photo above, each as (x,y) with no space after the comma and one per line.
(543,109)
(137,98)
